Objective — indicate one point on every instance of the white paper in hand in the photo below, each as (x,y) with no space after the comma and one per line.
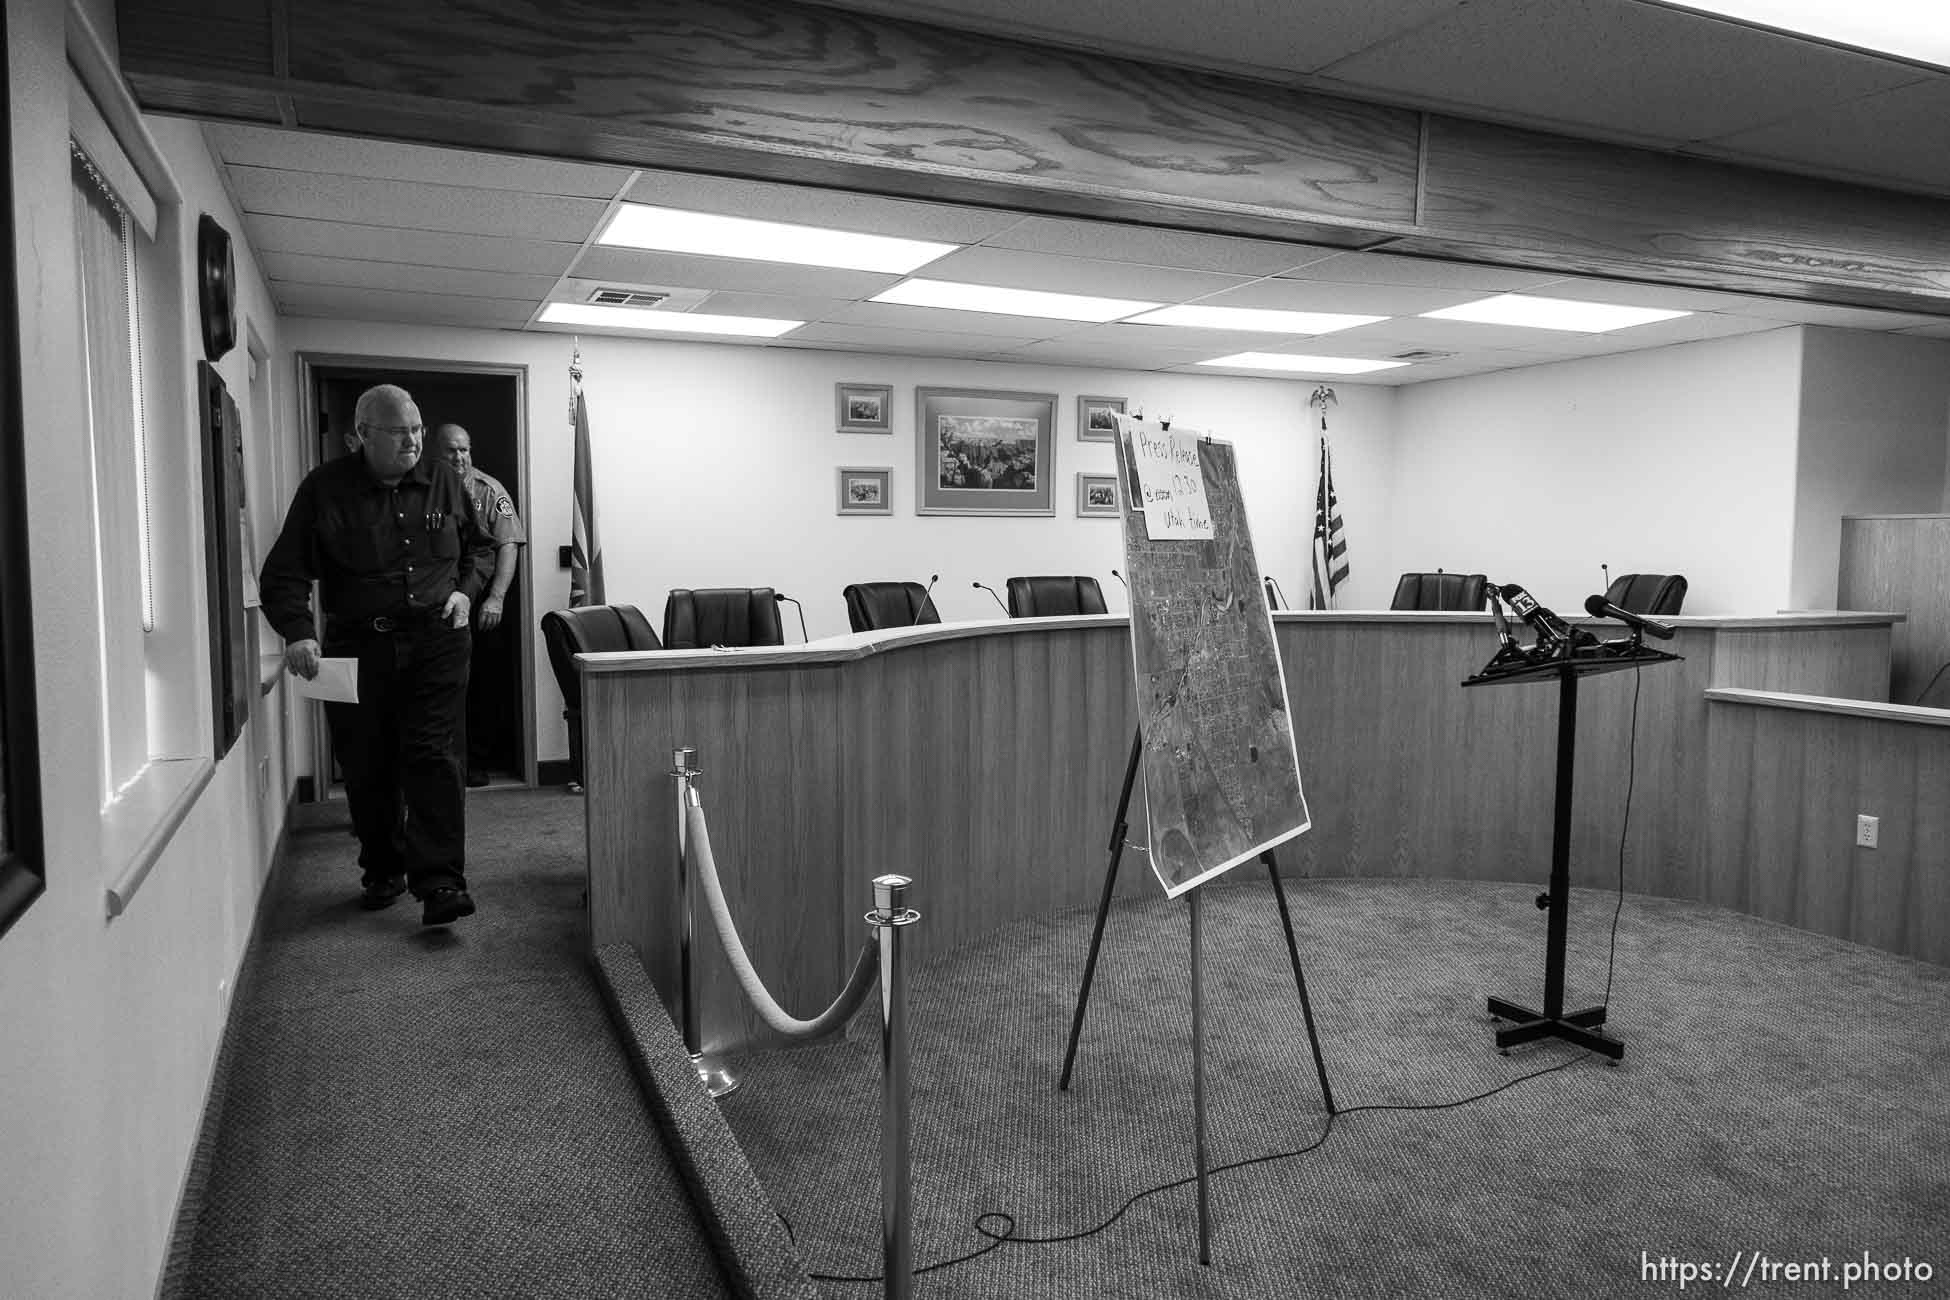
(337,680)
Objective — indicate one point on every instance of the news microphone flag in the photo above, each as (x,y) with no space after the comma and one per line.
(586,551)
(1330,536)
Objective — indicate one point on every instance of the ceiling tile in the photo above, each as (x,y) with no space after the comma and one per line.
(306,151)
(1819,313)
(378,304)
(413,247)
(296,268)
(776,306)
(881,339)
(1286,294)
(683,271)
(1418,272)
(886,315)
(1148,338)
(1151,246)
(1628,71)
(1011,269)
(1067,352)
(413,206)
(806,206)
(1899,137)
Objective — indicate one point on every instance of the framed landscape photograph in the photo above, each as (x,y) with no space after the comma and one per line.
(984,453)
(1097,496)
(865,408)
(864,490)
(1094,422)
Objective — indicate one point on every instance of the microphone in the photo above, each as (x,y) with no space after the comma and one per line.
(1551,630)
(932,579)
(1273,589)
(1599,607)
(781,597)
(1120,582)
(992,596)
(1503,633)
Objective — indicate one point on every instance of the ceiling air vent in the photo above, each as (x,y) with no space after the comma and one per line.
(1421,354)
(626,297)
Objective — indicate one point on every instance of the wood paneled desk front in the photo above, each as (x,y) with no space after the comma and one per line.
(984,759)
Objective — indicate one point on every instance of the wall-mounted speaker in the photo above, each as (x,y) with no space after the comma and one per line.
(216,287)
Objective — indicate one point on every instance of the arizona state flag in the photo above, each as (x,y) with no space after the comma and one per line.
(586,552)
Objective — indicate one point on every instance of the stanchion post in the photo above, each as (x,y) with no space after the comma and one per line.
(888,918)
(684,771)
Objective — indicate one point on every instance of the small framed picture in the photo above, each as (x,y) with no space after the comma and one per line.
(864,490)
(1094,418)
(1097,496)
(865,408)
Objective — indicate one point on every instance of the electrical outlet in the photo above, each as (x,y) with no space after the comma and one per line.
(1867,830)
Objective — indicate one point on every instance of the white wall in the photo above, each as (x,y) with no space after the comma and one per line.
(716,467)
(1875,420)
(110,1028)
(1670,460)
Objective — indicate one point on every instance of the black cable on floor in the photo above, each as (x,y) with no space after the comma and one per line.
(1631,774)
(1007,1233)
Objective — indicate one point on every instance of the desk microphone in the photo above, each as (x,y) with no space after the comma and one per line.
(781,597)
(1599,607)
(932,579)
(1120,582)
(992,596)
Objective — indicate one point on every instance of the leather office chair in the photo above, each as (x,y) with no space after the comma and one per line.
(1045,597)
(1652,594)
(873,606)
(712,616)
(1454,591)
(583,630)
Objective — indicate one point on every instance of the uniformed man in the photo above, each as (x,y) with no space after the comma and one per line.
(497,510)
(400,556)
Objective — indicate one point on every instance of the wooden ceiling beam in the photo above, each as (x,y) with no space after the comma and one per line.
(808,95)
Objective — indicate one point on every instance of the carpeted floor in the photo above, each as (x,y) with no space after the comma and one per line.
(433,1113)
(1781,1093)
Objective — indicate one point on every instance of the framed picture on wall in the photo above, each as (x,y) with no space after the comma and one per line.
(864,490)
(865,408)
(1097,496)
(984,453)
(1095,422)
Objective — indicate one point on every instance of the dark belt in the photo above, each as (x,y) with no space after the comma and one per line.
(378,625)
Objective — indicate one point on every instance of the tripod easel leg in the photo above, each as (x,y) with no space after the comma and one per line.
(1197,902)
(1118,832)
(1299,977)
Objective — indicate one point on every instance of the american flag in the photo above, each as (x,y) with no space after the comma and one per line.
(1330,536)
(586,553)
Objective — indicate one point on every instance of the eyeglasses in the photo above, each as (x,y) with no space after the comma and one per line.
(395,430)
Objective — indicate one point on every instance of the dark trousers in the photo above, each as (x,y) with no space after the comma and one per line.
(395,748)
(483,739)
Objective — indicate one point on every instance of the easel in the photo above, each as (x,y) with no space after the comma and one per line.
(1118,834)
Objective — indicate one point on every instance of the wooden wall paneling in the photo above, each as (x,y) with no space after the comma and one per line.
(1850,663)
(1902,563)
(814,95)
(1543,200)
(632,832)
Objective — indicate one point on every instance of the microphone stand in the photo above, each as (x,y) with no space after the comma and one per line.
(781,597)
(921,613)
(992,596)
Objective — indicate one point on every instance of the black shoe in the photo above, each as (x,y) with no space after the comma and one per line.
(476,778)
(381,891)
(445,905)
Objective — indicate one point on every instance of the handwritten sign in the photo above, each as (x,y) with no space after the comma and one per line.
(1171,487)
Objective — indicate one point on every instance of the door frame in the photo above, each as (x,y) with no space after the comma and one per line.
(308,364)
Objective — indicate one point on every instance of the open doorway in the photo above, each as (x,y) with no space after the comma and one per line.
(490,402)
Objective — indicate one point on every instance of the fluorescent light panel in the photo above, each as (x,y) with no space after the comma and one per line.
(672,230)
(1553,313)
(1908,29)
(951,296)
(1307,365)
(1254,319)
(674,322)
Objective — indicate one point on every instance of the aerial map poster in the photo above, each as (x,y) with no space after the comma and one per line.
(1221,777)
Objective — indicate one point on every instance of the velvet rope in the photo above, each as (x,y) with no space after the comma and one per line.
(866,970)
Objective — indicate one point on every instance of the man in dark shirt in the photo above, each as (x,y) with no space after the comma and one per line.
(400,556)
